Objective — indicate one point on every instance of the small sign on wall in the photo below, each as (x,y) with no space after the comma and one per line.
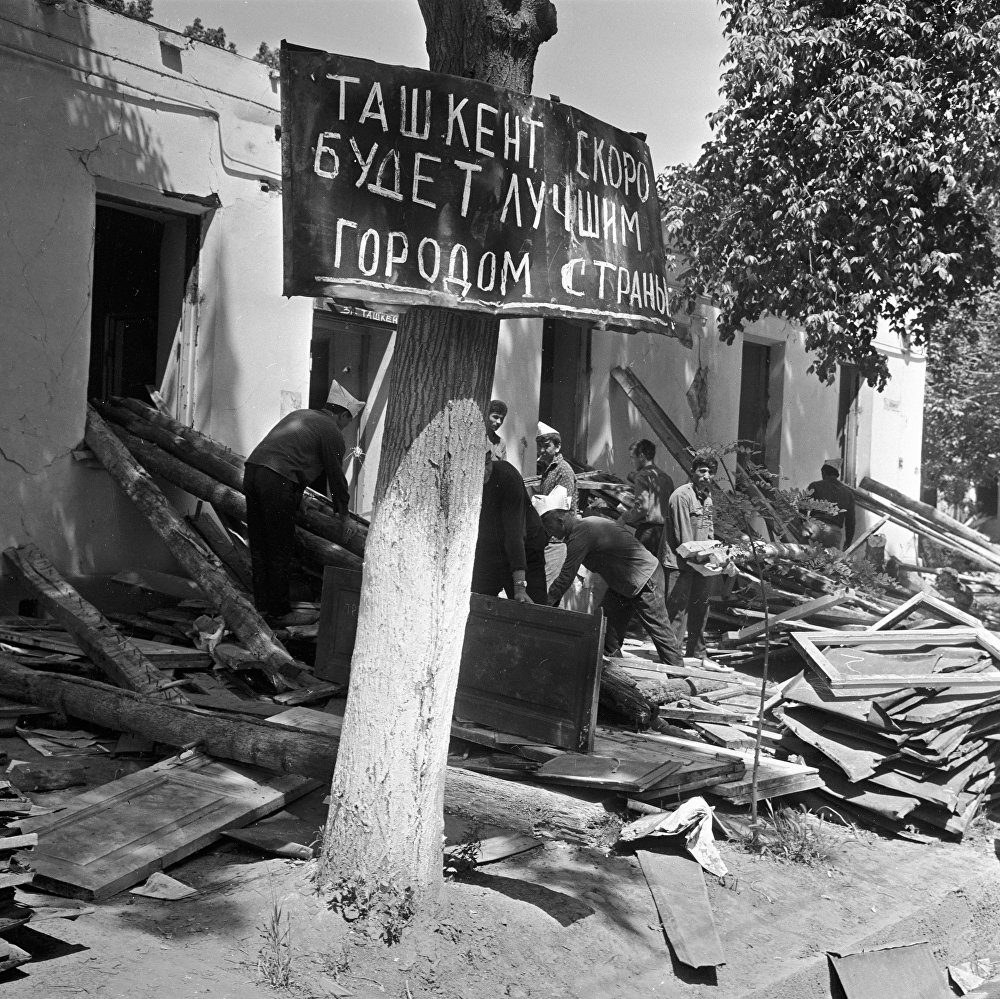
(408,187)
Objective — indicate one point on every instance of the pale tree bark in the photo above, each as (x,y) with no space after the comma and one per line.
(386,818)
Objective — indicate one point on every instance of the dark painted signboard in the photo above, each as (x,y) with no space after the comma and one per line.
(408,187)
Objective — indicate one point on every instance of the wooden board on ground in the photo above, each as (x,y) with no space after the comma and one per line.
(909,970)
(774,779)
(754,631)
(677,884)
(112,837)
(928,605)
(526,669)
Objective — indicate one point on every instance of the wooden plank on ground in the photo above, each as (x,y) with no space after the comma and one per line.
(754,631)
(909,970)
(928,604)
(112,837)
(677,884)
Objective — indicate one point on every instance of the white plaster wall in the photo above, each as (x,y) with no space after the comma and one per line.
(890,431)
(516,382)
(89,103)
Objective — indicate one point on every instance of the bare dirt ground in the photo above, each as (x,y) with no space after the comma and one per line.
(559,921)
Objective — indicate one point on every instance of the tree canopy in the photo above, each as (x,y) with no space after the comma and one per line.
(851,173)
(962,404)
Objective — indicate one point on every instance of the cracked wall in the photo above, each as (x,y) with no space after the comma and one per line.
(88,108)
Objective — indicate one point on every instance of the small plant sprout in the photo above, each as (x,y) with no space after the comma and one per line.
(274,959)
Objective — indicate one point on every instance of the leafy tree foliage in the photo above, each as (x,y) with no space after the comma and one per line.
(139,9)
(850,173)
(266,55)
(210,36)
(961,446)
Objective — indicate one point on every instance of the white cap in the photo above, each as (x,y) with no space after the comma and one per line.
(339,396)
(544,430)
(558,499)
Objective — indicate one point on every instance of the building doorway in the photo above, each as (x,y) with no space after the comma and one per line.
(754,414)
(145,263)
(564,391)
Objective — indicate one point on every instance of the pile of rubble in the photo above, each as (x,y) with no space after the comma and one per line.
(873,703)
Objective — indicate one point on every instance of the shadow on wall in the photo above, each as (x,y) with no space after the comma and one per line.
(77,125)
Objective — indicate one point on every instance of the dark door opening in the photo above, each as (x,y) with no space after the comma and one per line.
(564,391)
(143,263)
(754,414)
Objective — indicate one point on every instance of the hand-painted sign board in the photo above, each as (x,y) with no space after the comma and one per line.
(407,187)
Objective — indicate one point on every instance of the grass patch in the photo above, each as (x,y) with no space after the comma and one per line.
(797,836)
(274,959)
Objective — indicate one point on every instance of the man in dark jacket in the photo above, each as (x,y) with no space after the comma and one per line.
(835,530)
(652,488)
(510,547)
(634,578)
(298,450)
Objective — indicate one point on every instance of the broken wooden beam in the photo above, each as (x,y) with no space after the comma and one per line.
(754,631)
(488,800)
(927,512)
(119,658)
(189,550)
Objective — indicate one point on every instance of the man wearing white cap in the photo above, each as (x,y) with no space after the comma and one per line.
(834,530)
(556,472)
(301,447)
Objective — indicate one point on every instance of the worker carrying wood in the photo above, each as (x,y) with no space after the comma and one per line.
(652,488)
(634,578)
(691,517)
(495,416)
(833,530)
(301,447)
(510,546)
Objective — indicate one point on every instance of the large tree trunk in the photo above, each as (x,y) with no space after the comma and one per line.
(386,813)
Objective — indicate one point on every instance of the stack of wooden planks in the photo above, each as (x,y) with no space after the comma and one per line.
(15,870)
(903,725)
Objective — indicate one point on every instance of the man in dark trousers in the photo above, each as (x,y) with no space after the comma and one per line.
(634,578)
(835,530)
(510,547)
(690,518)
(652,488)
(301,447)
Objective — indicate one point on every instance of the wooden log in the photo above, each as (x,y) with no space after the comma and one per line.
(875,552)
(621,694)
(649,409)
(904,518)
(203,567)
(316,514)
(521,807)
(118,658)
(196,449)
(317,549)
(865,535)
(930,513)
(235,559)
